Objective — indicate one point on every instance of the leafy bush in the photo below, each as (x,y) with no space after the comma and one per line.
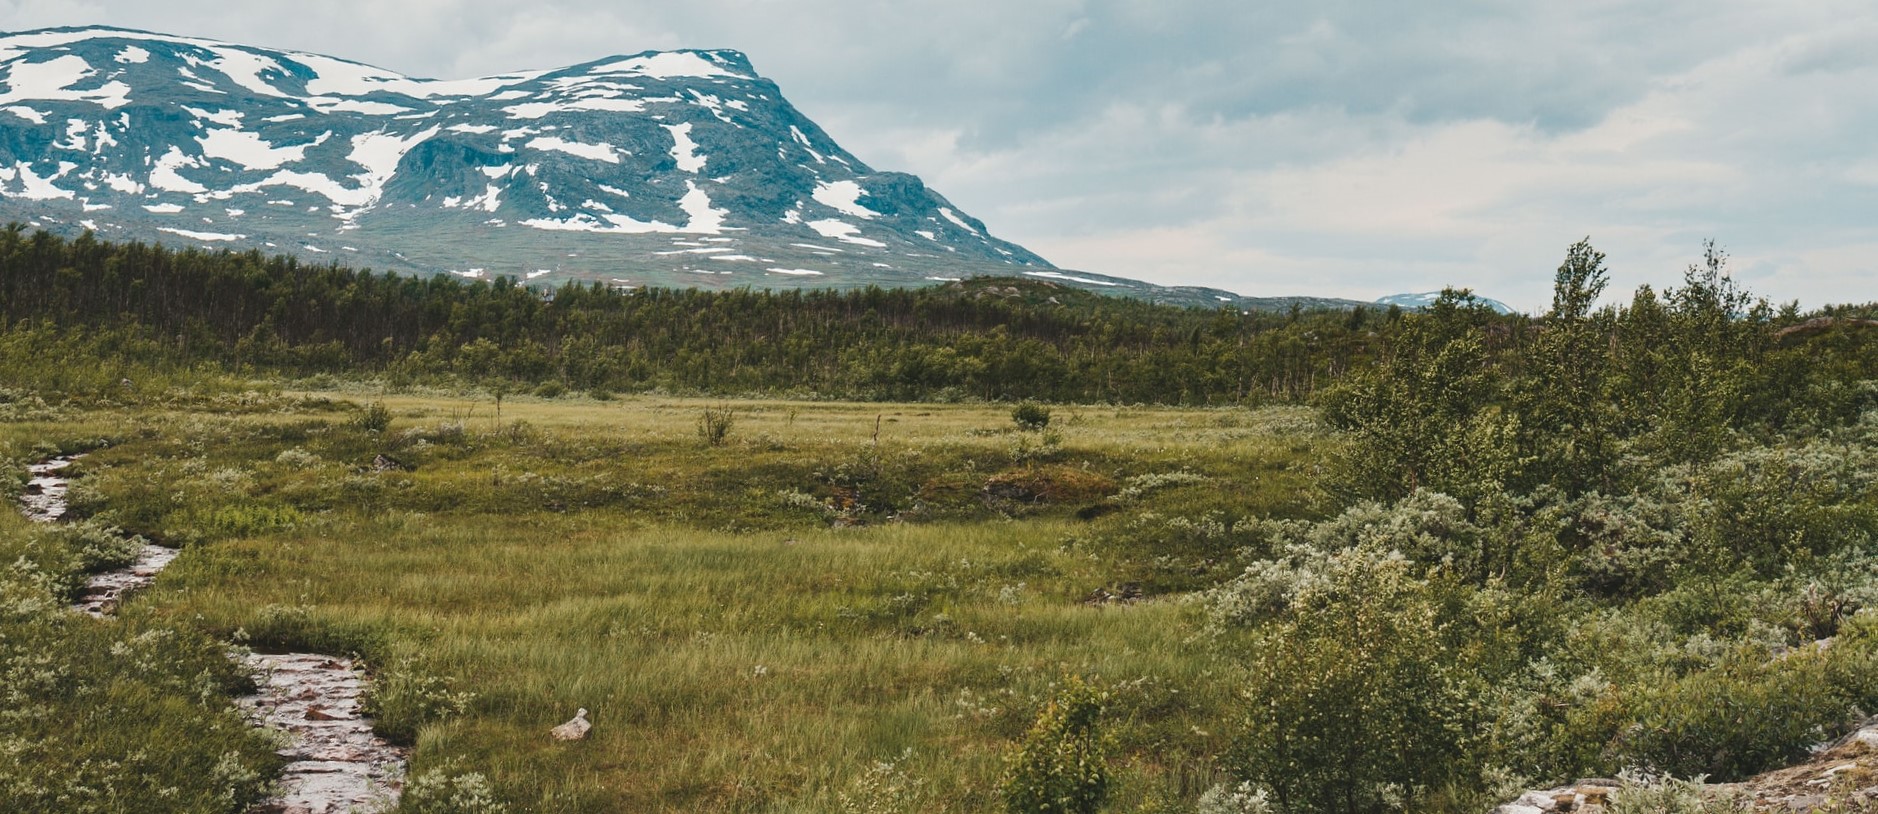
(1753,711)
(1242,799)
(1060,768)
(297,458)
(99,547)
(1652,794)
(1354,698)
(1030,416)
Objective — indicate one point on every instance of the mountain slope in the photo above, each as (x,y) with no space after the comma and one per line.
(663,168)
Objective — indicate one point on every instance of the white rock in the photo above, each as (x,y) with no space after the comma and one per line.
(573,730)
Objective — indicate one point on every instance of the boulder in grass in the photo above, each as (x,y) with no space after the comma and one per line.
(573,730)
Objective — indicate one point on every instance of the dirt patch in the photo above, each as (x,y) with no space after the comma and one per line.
(1049,484)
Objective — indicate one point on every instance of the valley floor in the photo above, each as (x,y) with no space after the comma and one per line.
(838,607)
(781,606)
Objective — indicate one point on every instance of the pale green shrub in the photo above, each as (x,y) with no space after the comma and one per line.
(444,790)
(1060,768)
(885,788)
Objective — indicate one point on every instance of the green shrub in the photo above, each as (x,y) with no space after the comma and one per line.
(1753,711)
(1060,767)
(1649,794)
(403,698)
(1354,698)
(1030,416)
(375,418)
(1243,799)
(444,790)
(98,547)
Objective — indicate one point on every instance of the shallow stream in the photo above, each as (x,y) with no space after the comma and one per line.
(335,765)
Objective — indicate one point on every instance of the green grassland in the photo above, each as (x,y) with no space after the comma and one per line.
(755,625)
(1420,563)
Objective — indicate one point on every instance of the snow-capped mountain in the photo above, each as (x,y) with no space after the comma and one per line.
(1414,302)
(662,168)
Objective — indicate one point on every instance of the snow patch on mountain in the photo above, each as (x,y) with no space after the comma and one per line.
(166,174)
(844,197)
(251,151)
(956,220)
(669,65)
(52,80)
(338,77)
(596,152)
(1055,275)
(684,150)
(34,187)
(844,232)
(205,236)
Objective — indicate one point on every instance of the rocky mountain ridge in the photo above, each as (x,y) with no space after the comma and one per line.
(676,168)
(639,168)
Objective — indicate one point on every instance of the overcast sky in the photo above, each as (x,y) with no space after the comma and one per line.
(1336,148)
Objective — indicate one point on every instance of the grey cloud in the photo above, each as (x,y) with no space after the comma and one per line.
(1356,148)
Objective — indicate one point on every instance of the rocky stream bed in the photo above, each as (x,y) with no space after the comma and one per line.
(335,764)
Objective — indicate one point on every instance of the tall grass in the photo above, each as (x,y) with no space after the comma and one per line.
(737,653)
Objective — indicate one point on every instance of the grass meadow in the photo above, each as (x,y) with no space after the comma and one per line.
(831,607)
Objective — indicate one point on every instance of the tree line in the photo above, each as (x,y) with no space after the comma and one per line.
(990,339)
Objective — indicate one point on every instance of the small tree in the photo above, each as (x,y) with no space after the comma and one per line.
(1568,425)
(1059,768)
(714,425)
(1425,416)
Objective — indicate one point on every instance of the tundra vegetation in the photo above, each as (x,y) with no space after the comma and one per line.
(1314,562)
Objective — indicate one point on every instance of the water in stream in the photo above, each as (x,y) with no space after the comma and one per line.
(335,764)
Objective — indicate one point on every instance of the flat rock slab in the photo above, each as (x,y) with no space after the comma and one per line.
(335,764)
(1584,797)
